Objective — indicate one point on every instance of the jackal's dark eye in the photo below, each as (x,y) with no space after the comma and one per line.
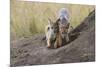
(48,28)
(51,27)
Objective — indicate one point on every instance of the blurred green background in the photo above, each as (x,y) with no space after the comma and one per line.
(30,18)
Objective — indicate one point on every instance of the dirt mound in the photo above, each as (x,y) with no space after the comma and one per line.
(33,51)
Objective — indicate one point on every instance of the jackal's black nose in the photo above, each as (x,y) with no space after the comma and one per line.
(64,33)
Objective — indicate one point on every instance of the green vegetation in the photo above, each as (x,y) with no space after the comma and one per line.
(29,18)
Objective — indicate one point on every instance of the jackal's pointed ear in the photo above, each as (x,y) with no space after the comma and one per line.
(49,21)
(57,21)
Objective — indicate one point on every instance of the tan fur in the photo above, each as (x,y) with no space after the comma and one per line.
(58,41)
(64,29)
(58,38)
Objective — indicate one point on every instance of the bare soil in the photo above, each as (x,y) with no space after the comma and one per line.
(33,50)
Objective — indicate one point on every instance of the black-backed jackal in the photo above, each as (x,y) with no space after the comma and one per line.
(64,23)
(53,34)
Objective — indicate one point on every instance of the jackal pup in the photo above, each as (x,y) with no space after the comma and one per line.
(64,24)
(53,36)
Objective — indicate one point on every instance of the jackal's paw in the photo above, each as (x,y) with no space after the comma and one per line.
(48,46)
(59,45)
(55,46)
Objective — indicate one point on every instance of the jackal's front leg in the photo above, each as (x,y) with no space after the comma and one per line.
(67,38)
(55,44)
(48,43)
(60,40)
